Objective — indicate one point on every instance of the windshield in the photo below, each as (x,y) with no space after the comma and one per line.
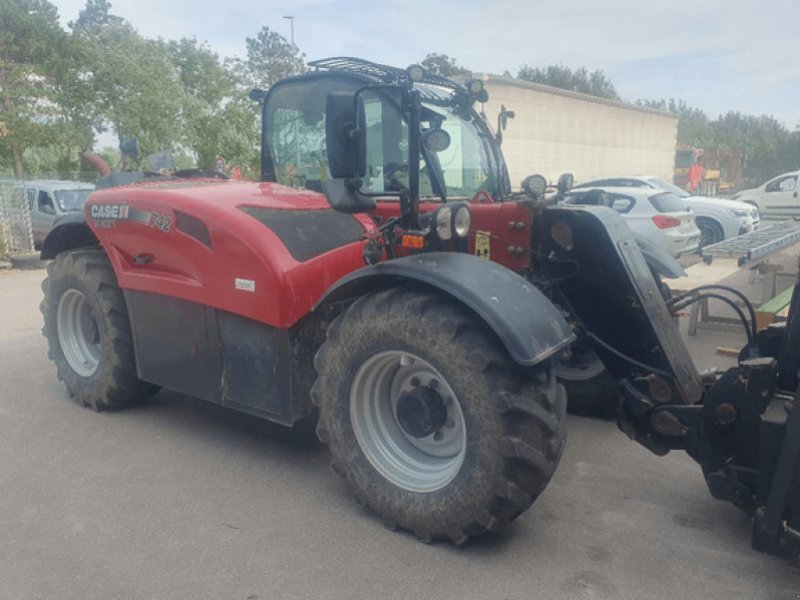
(72,200)
(295,152)
(668,187)
(464,165)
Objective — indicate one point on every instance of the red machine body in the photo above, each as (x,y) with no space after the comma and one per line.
(195,241)
(500,232)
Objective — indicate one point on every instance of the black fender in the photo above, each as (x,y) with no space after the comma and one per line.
(68,232)
(659,260)
(530,327)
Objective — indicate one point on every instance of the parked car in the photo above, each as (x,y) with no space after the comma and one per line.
(662,217)
(718,219)
(778,196)
(48,199)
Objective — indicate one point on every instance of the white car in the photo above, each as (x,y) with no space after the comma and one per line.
(48,199)
(718,219)
(778,196)
(659,216)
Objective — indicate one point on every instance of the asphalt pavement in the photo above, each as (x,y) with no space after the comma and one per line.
(179,499)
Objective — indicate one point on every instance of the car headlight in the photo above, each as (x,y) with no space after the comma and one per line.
(452,219)
(738,212)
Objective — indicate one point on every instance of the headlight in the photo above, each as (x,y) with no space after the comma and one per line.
(738,212)
(444,223)
(452,219)
(462,221)
(415,73)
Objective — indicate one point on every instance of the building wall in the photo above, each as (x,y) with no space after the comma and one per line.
(556,131)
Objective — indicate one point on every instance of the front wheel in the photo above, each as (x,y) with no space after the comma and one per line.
(429,422)
(710,232)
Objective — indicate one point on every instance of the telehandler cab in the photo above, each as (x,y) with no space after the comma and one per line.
(433,369)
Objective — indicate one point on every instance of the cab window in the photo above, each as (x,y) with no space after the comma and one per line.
(387,148)
(295,114)
(782,184)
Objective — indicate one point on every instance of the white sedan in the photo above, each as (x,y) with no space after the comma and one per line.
(659,216)
(718,219)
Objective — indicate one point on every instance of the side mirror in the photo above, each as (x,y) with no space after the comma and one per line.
(345,135)
(565,183)
(344,195)
(47,209)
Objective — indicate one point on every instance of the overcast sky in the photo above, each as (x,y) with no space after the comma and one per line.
(718,55)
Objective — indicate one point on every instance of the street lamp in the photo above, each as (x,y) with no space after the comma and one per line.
(290,18)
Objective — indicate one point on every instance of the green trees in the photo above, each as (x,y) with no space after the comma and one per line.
(33,48)
(269,58)
(60,90)
(441,64)
(581,80)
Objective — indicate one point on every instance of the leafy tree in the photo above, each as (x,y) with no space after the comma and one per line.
(694,126)
(441,64)
(595,83)
(270,57)
(96,13)
(126,82)
(217,115)
(32,46)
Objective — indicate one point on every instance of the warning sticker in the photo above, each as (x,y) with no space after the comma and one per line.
(483,244)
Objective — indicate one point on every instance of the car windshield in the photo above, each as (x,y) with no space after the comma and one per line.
(668,202)
(669,187)
(72,200)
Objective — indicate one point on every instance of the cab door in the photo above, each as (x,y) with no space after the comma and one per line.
(781,195)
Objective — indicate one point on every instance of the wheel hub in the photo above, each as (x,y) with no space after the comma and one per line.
(421,412)
(78,333)
(407,421)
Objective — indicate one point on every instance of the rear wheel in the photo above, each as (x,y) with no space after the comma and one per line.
(428,422)
(710,231)
(88,332)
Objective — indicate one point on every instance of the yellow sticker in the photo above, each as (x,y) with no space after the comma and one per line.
(483,244)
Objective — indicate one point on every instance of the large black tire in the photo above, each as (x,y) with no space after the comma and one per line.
(510,425)
(88,331)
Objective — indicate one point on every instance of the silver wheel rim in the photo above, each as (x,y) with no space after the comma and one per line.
(78,333)
(581,367)
(417,464)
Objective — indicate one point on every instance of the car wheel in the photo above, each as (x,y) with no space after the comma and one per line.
(710,232)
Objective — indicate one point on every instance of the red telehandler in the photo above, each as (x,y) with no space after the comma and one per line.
(352,281)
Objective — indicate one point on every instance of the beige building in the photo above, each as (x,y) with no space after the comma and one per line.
(556,130)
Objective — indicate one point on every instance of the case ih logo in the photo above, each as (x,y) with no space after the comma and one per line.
(110,211)
(106,215)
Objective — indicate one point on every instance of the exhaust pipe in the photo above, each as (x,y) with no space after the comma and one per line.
(98,163)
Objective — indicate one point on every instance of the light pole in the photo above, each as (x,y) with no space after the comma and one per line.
(290,18)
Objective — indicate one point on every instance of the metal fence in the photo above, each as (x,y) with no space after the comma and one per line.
(16,235)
